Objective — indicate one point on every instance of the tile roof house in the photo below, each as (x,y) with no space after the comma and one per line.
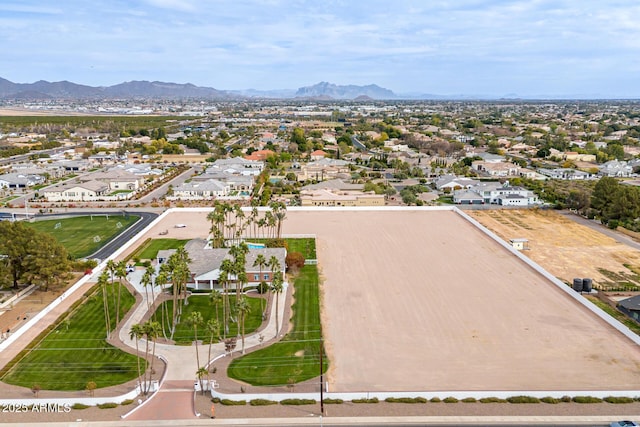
(615,168)
(206,261)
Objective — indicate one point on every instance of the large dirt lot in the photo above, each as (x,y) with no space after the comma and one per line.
(563,247)
(422,300)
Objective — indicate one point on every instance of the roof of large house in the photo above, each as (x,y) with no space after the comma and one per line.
(205,259)
(632,303)
(96,186)
(333,184)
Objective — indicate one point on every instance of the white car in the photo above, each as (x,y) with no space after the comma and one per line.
(180,225)
(623,423)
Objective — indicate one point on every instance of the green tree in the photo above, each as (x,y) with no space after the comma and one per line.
(244,308)
(277,287)
(213,327)
(201,373)
(195,320)
(603,196)
(103,283)
(136,333)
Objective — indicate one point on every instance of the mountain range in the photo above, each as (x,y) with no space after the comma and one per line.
(65,90)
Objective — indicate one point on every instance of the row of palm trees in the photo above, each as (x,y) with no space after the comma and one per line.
(105,281)
(230,224)
(149,331)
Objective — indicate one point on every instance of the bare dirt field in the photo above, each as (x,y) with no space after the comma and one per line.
(422,300)
(563,247)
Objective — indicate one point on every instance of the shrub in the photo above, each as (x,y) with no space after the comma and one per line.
(215,399)
(523,399)
(549,399)
(586,399)
(618,399)
(435,400)
(372,400)
(79,406)
(492,400)
(262,402)
(333,401)
(450,399)
(126,402)
(469,400)
(298,402)
(294,260)
(406,400)
(108,405)
(229,402)
(566,399)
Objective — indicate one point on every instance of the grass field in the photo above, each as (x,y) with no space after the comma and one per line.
(149,250)
(75,352)
(296,357)
(84,235)
(184,334)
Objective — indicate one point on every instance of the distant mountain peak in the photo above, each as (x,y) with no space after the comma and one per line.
(326,89)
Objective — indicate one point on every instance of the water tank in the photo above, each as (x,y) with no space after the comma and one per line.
(577,284)
(586,285)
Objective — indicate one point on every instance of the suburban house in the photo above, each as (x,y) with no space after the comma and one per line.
(88,191)
(334,185)
(206,261)
(323,197)
(260,155)
(566,174)
(20,180)
(615,168)
(323,169)
(200,190)
(237,166)
(119,179)
(318,155)
(236,182)
(450,182)
(496,193)
(498,169)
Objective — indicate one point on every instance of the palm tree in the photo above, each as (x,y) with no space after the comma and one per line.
(279,213)
(226,269)
(194,320)
(213,327)
(200,373)
(103,282)
(136,332)
(215,297)
(261,262)
(121,272)
(151,333)
(243,308)
(147,281)
(274,266)
(277,287)
(112,267)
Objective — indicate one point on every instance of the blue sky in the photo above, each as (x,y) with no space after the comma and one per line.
(497,47)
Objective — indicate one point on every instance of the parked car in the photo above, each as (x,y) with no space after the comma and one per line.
(623,423)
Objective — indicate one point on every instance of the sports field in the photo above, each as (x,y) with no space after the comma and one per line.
(422,300)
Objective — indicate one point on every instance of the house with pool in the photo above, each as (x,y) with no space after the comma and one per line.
(206,261)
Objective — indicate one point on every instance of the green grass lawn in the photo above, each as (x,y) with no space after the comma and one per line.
(82,236)
(296,357)
(66,358)
(200,302)
(149,250)
(306,246)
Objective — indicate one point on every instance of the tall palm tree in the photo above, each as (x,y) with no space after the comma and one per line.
(244,308)
(151,332)
(195,319)
(277,287)
(213,327)
(274,266)
(112,267)
(136,332)
(226,269)
(147,282)
(261,263)
(103,282)
(279,210)
(215,297)
(121,273)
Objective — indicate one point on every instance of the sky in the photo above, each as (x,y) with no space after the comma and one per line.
(529,48)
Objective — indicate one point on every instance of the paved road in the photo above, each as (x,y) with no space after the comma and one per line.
(597,226)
